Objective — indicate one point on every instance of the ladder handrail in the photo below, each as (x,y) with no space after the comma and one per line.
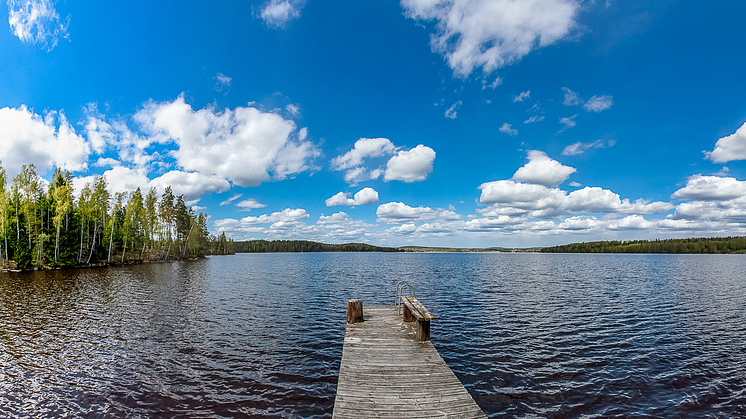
(400,286)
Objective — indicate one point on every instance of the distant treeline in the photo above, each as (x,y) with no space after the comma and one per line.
(278,246)
(421,249)
(693,245)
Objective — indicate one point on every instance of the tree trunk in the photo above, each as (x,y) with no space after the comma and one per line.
(169,251)
(80,252)
(124,249)
(18,226)
(186,242)
(111,240)
(93,245)
(57,245)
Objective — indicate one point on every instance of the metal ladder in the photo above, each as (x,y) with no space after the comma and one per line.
(400,287)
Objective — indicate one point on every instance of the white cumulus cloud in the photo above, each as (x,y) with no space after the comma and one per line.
(191,184)
(410,166)
(363,148)
(405,165)
(365,196)
(538,201)
(250,204)
(244,145)
(492,34)
(715,188)
(399,212)
(730,148)
(26,137)
(543,170)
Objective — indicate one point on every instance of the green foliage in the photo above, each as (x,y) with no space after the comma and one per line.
(47,227)
(692,245)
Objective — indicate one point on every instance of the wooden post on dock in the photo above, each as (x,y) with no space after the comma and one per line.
(354,311)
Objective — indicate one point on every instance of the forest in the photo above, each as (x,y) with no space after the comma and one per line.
(692,245)
(45,226)
(277,246)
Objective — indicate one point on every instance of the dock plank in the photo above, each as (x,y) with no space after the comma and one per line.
(385,373)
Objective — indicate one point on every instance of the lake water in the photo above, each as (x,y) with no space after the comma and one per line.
(256,335)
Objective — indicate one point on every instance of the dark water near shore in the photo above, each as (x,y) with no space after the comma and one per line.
(529,335)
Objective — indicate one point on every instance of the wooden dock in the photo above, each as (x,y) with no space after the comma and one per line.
(386,373)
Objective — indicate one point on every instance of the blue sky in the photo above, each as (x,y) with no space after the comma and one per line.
(450,123)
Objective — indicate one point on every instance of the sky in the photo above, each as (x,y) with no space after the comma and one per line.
(459,123)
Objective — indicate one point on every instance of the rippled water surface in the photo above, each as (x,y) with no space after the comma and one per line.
(529,335)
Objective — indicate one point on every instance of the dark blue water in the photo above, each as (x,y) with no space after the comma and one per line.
(253,335)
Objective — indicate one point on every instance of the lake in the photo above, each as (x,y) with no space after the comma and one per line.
(260,335)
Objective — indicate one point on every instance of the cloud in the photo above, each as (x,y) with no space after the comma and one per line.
(410,166)
(26,137)
(363,148)
(277,13)
(37,22)
(719,213)
(542,170)
(520,197)
(506,128)
(286,215)
(191,184)
(492,34)
(398,212)
(293,109)
(521,97)
(512,198)
(730,148)
(243,145)
(125,179)
(711,188)
(580,147)
(131,147)
(451,112)
(250,204)
(568,122)
(571,98)
(575,184)
(365,196)
(598,103)
(222,83)
(631,222)
(231,199)
(283,224)
(535,118)
(498,81)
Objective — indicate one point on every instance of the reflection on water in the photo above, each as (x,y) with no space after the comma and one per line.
(530,335)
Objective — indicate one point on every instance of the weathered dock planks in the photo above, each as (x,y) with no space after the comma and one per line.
(386,373)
